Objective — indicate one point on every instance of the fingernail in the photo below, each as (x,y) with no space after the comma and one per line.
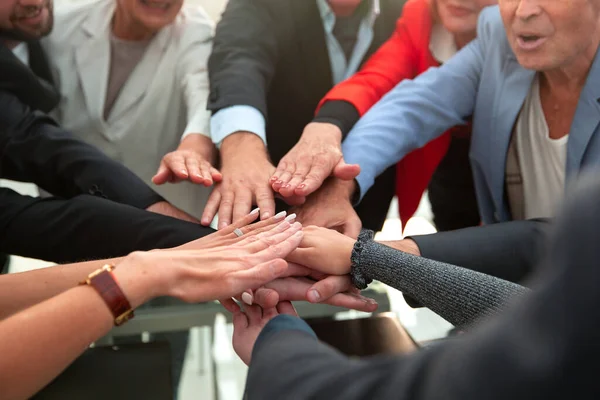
(247,298)
(301,186)
(255,211)
(313,296)
(278,182)
(290,217)
(286,186)
(184,172)
(296,225)
(273,179)
(280,215)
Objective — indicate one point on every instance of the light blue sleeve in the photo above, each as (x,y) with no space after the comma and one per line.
(416,112)
(237,118)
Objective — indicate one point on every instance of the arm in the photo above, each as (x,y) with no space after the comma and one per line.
(506,250)
(80,314)
(84,228)
(415,112)
(196,154)
(241,67)
(34,149)
(393,62)
(534,350)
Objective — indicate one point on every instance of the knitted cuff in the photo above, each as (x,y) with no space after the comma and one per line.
(356,274)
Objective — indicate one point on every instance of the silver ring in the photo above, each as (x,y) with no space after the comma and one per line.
(238,232)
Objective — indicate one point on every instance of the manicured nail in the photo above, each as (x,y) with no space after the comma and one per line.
(184,172)
(301,186)
(313,296)
(255,211)
(273,179)
(290,217)
(247,298)
(286,186)
(280,215)
(278,182)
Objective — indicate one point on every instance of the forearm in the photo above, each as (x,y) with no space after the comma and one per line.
(19,291)
(459,295)
(506,250)
(40,342)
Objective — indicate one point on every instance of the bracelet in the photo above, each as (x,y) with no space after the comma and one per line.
(357,276)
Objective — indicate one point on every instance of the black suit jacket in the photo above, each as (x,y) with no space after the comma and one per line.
(272,55)
(541,348)
(34,149)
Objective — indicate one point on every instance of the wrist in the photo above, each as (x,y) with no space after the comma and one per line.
(342,189)
(405,245)
(242,144)
(139,280)
(323,131)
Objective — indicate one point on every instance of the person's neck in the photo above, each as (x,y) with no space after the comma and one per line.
(11,44)
(125,28)
(341,10)
(463,39)
(571,78)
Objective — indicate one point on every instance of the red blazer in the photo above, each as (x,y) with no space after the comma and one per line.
(404,56)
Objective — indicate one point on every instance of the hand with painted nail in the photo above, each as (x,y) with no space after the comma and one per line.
(246,171)
(248,324)
(193,160)
(316,156)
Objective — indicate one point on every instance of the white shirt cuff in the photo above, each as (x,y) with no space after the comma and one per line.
(234,119)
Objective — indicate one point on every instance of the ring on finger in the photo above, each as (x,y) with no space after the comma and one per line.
(238,232)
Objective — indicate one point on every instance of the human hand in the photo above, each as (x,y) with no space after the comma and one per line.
(247,326)
(192,160)
(209,274)
(316,156)
(330,207)
(168,209)
(333,290)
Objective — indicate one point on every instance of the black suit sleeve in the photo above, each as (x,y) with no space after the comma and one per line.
(541,348)
(507,250)
(244,56)
(84,228)
(34,149)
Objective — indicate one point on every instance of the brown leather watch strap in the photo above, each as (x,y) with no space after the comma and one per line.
(107,287)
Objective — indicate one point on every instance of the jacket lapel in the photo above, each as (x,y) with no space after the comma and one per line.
(92,57)
(141,77)
(586,119)
(508,104)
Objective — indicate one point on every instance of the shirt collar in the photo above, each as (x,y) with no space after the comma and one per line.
(328,16)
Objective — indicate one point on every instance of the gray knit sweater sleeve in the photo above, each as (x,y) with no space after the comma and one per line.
(457,294)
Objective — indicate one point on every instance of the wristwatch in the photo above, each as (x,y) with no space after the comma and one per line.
(103,280)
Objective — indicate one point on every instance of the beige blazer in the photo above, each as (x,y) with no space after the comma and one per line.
(163,99)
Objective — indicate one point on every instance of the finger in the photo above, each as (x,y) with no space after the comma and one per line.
(293,200)
(328,287)
(176,164)
(240,223)
(240,320)
(353,302)
(346,172)
(193,170)
(216,175)
(285,177)
(266,298)
(242,204)
(212,205)
(352,227)
(269,313)
(258,276)
(254,314)
(265,201)
(230,305)
(281,167)
(265,225)
(285,307)
(302,168)
(260,241)
(248,297)
(284,246)
(319,171)
(297,270)
(205,172)
(226,208)
(162,175)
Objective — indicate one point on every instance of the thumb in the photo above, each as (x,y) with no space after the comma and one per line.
(345,171)
(352,227)
(162,175)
